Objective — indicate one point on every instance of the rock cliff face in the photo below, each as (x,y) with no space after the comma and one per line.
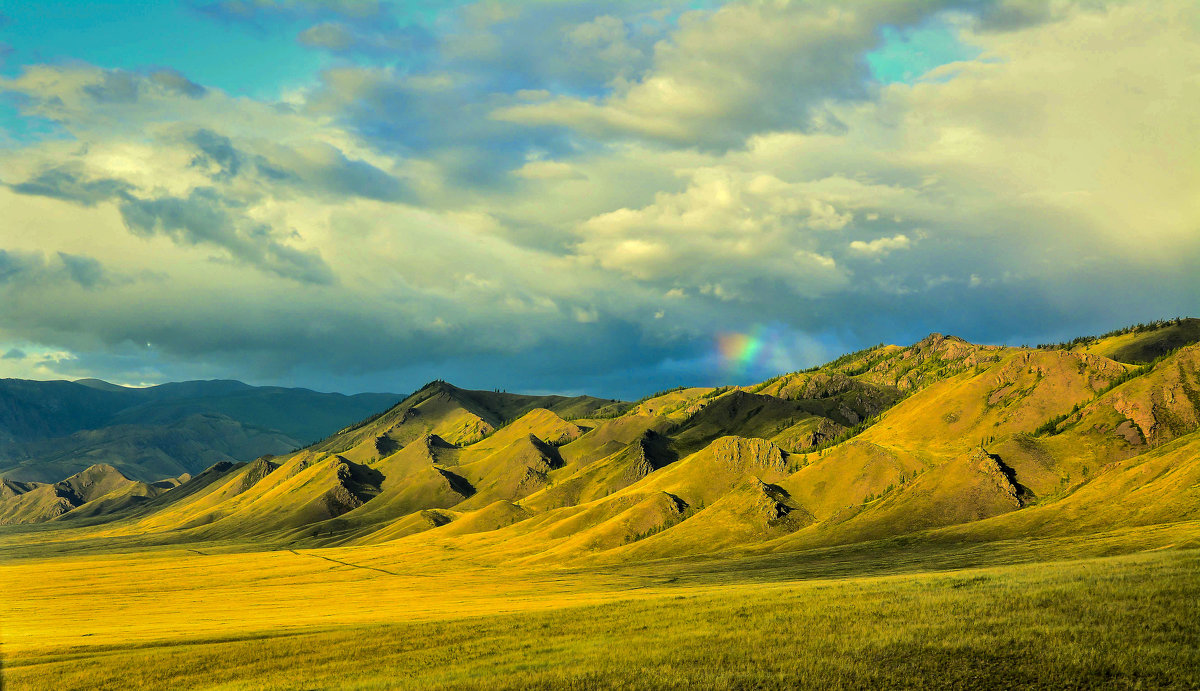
(1167,408)
(930,359)
(776,508)
(748,454)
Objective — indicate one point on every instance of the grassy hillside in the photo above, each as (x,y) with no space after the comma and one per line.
(947,508)
(1144,342)
(885,442)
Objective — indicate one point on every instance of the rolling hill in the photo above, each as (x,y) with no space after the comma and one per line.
(955,512)
(885,442)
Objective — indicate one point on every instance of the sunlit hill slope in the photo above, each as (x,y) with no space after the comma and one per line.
(942,437)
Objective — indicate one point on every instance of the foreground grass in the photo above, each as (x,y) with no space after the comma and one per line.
(1128,621)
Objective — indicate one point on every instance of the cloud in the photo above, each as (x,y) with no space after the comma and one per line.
(29,271)
(387,32)
(390,43)
(579,196)
(13,354)
(881,246)
(122,87)
(203,218)
(71,185)
(216,151)
(17,265)
(581,48)
(548,170)
(85,271)
(260,11)
(727,74)
(725,232)
(329,35)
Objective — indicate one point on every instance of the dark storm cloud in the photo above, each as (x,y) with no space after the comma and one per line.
(13,354)
(31,270)
(85,271)
(70,185)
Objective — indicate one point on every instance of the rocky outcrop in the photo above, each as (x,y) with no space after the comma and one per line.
(255,472)
(774,507)
(743,453)
(1002,476)
(354,485)
(650,452)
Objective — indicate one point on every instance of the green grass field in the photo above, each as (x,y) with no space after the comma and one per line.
(880,615)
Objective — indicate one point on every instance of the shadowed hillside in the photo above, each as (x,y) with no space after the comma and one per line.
(1142,343)
(52,429)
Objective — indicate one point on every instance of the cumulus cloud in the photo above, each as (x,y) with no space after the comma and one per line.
(565,196)
(723,232)
(881,246)
(724,75)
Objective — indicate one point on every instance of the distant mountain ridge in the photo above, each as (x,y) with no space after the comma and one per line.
(50,429)
(969,442)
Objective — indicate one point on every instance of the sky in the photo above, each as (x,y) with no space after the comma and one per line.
(611,197)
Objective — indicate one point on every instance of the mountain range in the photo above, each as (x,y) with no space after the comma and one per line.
(51,429)
(969,441)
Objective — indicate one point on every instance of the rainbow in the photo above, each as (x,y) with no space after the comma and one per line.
(740,353)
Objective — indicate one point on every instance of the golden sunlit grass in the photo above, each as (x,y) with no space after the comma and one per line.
(883,614)
(908,556)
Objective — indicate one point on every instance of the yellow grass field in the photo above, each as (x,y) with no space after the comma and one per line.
(1018,518)
(923,613)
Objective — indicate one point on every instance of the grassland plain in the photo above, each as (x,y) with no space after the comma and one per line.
(941,515)
(932,611)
